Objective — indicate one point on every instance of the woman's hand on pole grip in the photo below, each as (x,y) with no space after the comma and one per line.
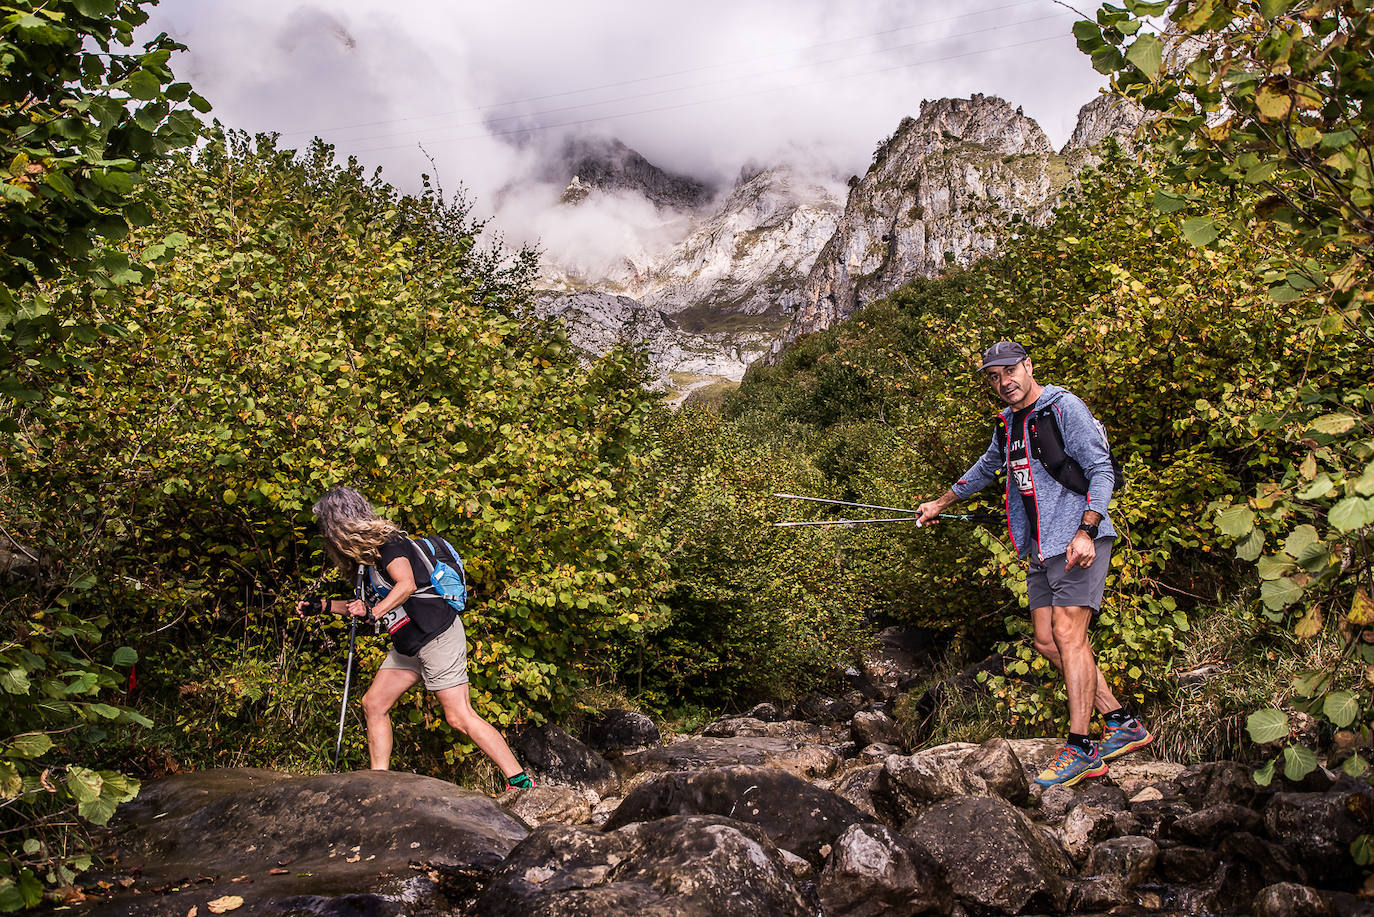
(357,608)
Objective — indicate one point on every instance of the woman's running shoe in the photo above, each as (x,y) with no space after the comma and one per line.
(1071,766)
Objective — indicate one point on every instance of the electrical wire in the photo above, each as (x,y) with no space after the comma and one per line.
(487,122)
(611,117)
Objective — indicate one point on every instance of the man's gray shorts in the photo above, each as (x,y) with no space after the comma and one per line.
(1050,584)
(441,663)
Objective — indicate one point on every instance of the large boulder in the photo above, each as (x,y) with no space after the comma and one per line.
(553,756)
(1129,859)
(1318,828)
(875,871)
(684,866)
(1216,782)
(796,815)
(874,727)
(801,758)
(550,802)
(907,784)
(618,730)
(996,858)
(1210,825)
(855,786)
(274,839)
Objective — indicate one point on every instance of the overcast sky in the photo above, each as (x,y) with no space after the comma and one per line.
(698,87)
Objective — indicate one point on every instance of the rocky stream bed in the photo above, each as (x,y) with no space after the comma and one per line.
(812,811)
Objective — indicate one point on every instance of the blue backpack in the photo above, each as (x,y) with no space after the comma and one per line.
(447,578)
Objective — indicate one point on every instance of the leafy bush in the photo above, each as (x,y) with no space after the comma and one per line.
(308,327)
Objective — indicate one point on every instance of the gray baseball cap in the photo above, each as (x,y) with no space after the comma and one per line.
(1003,353)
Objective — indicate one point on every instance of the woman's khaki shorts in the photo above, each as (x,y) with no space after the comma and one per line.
(1050,584)
(441,663)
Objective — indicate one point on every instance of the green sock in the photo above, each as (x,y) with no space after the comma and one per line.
(520,781)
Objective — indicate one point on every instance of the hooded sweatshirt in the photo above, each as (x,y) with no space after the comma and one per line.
(1059,509)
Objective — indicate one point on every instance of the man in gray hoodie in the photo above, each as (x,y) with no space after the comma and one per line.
(1059,483)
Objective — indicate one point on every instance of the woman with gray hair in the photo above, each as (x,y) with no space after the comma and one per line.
(427,639)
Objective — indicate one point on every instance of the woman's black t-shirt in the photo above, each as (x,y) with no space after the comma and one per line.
(421,618)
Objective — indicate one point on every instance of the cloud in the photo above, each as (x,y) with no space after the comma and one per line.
(699,88)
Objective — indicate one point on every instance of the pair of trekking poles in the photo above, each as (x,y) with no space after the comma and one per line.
(911,514)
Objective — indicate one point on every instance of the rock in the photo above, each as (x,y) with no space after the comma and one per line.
(1135,773)
(823,710)
(682,865)
(1056,801)
(1156,818)
(856,787)
(1187,865)
(796,815)
(351,834)
(618,730)
(553,756)
(1269,861)
(1098,893)
(766,712)
(996,764)
(1149,794)
(1130,859)
(748,727)
(800,758)
(1213,782)
(908,784)
(1317,829)
(1084,828)
(1288,899)
(1208,826)
(550,802)
(874,727)
(994,857)
(875,871)
(877,753)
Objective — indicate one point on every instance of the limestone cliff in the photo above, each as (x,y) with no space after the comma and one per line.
(934,197)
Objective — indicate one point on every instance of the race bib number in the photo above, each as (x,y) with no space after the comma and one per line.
(1020,472)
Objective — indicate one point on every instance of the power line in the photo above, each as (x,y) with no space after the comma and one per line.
(661,92)
(645,111)
(658,76)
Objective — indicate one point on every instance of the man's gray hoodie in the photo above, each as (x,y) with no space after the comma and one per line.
(1060,509)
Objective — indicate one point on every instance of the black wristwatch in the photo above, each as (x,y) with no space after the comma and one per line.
(1091,529)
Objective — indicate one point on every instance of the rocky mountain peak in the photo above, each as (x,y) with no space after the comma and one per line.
(606,164)
(1105,116)
(986,121)
(934,198)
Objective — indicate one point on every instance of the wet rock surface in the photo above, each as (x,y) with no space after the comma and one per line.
(200,837)
(777,812)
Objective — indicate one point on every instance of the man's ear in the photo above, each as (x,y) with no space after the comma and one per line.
(1030,369)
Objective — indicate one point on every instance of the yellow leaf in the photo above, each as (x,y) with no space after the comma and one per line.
(227,903)
(1361,609)
(1273,103)
(1311,623)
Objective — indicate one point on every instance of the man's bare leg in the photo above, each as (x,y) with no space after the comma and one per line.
(386,689)
(1069,625)
(1103,698)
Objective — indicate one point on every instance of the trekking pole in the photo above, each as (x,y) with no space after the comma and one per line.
(348,667)
(948,517)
